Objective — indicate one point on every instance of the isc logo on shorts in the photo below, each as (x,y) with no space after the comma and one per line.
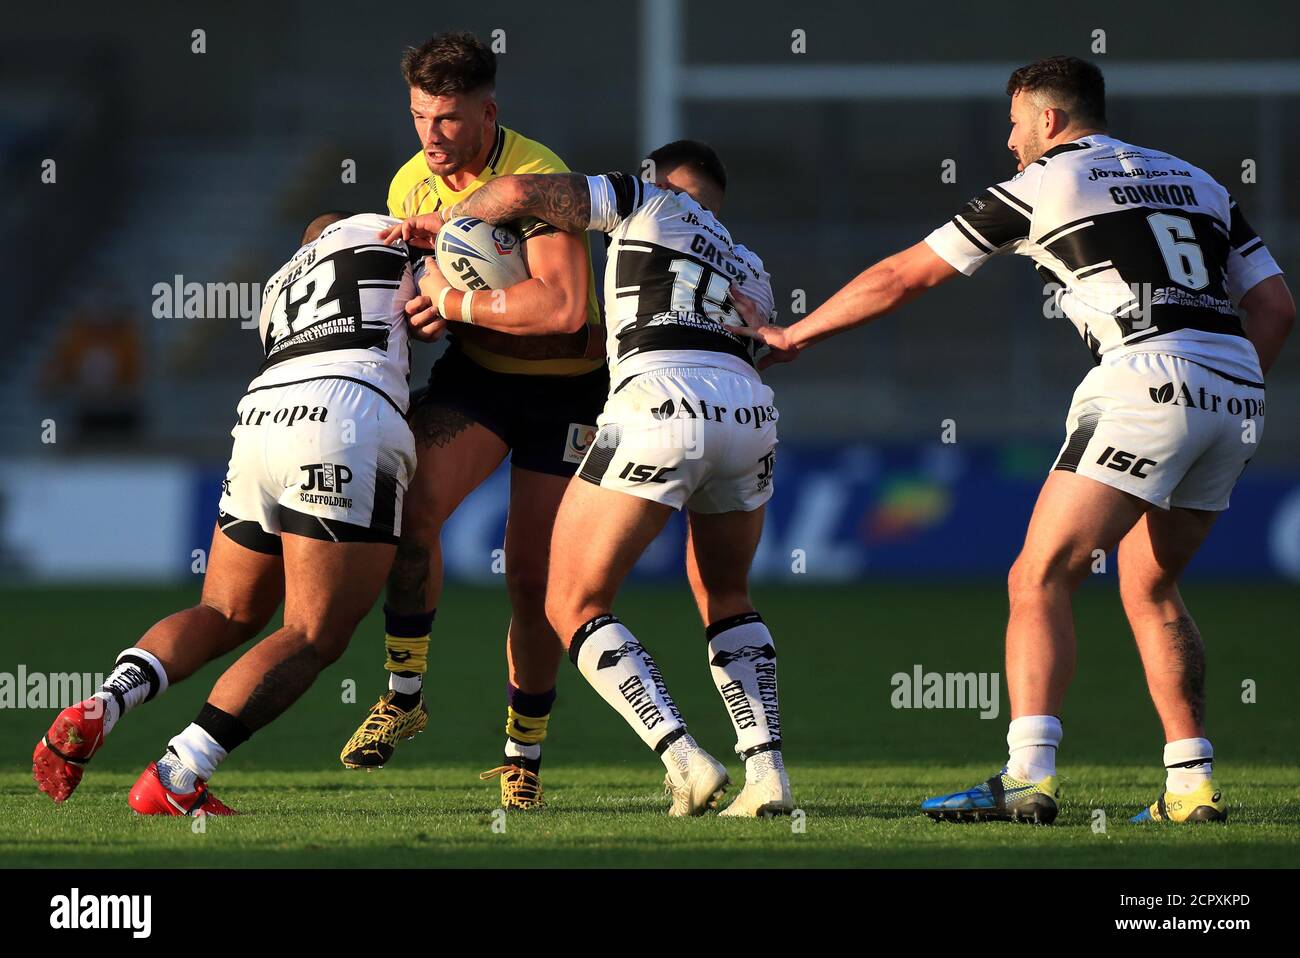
(576,441)
(1122,461)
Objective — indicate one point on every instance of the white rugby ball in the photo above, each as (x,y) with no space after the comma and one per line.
(473,255)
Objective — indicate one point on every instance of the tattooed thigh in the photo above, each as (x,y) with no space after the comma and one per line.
(434,425)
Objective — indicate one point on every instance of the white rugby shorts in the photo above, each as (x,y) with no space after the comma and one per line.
(693,436)
(1164,429)
(329,458)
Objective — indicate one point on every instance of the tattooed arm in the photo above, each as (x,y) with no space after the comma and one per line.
(552,301)
(561,199)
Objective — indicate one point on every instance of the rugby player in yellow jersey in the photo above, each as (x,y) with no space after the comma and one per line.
(533,397)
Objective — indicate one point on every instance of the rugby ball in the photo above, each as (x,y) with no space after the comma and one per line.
(475,255)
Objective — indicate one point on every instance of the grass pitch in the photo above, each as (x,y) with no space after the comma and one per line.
(858,765)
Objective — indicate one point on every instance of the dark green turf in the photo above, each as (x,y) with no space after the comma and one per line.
(859,766)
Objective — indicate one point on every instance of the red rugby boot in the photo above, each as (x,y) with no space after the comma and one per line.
(149,796)
(61,756)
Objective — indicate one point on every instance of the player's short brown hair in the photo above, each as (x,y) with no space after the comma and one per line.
(694,155)
(1069,83)
(450,63)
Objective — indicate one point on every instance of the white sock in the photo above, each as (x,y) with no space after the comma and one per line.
(742,658)
(195,751)
(515,750)
(623,672)
(137,677)
(1188,764)
(1032,741)
(405,684)
(175,775)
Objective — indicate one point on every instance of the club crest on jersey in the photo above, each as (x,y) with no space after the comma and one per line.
(577,440)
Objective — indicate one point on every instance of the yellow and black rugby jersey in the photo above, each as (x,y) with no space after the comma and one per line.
(416,190)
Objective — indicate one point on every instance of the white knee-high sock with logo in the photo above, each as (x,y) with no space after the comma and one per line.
(623,672)
(742,658)
(137,677)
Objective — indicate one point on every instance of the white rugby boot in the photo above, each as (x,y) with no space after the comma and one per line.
(695,779)
(767,789)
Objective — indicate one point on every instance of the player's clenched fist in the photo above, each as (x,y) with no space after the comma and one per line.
(759,326)
(775,338)
(419,230)
(424,320)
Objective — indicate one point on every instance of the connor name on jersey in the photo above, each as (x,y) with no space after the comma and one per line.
(668,277)
(1145,249)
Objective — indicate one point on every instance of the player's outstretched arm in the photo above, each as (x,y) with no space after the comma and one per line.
(1270,314)
(893,281)
(561,199)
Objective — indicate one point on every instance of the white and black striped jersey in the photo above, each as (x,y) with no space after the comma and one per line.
(337,308)
(1148,252)
(668,277)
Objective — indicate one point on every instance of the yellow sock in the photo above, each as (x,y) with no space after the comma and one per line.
(407,654)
